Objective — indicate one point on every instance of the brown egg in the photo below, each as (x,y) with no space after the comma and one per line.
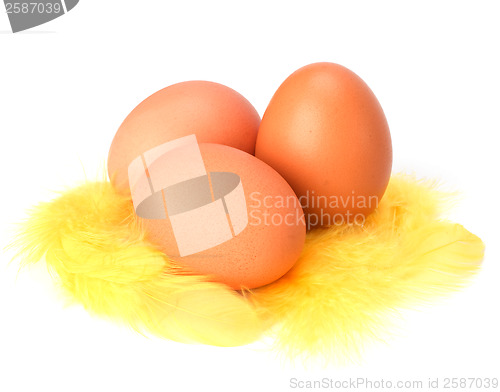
(266,230)
(325,132)
(213,112)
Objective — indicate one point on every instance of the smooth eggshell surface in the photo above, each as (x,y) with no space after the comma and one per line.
(213,112)
(325,132)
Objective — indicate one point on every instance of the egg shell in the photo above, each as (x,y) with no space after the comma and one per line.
(325,132)
(213,112)
(271,242)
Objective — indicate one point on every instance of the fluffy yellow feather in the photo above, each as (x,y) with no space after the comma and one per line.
(343,291)
(350,280)
(89,236)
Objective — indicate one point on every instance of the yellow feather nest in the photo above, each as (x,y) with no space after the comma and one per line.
(343,291)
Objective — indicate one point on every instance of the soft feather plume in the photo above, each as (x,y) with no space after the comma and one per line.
(350,280)
(343,291)
(89,236)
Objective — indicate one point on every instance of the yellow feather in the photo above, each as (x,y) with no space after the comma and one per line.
(350,280)
(91,239)
(344,290)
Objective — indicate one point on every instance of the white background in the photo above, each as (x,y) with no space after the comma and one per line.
(66,86)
